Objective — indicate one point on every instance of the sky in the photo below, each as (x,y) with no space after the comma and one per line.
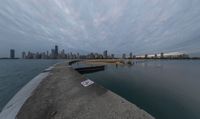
(119,26)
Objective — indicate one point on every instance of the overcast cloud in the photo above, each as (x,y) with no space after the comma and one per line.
(119,26)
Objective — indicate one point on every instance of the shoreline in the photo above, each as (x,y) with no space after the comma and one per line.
(31,95)
(13,106)
(11,109)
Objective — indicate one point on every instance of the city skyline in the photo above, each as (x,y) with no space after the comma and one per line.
(55,53)
(90,59)
(138,26)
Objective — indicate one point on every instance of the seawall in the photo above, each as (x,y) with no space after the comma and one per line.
(60,95)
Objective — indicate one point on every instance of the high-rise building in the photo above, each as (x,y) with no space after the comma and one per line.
(105,54)
(112,56)
(47,54)
(78,56)
(43,55)
(63,54)
(124,56)
(12,53)
(155,56)
(56,51)
(146,56)
(23,55)
(52,53)
(131,55)
(161,55)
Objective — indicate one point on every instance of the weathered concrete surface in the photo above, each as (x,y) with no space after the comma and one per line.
(61,96)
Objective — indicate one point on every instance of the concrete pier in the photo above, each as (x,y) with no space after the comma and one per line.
(61,96)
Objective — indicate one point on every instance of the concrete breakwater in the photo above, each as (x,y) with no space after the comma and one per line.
(60,95)
(90,69)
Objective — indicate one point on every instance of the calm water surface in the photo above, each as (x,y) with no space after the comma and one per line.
(14,74)
(167,89)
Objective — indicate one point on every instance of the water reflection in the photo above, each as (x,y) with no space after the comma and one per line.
(166,89)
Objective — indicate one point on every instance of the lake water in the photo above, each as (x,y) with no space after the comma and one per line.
(167,89)
(14,74)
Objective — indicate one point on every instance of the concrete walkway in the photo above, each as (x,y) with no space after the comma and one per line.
(61,96)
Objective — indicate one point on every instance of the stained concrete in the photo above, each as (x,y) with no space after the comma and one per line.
(61,96)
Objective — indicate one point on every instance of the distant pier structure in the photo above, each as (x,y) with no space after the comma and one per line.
(170,55)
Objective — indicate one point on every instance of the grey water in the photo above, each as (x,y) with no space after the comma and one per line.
(167,89)
(14,74)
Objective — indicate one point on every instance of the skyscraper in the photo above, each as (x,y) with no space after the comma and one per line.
(155,56)
(47,54)
(56,51)
(146,56)
(12,53)
(23,55)
(123,56)
(131,55)
(161,55)
(112,56)
(63,54)
(105,54)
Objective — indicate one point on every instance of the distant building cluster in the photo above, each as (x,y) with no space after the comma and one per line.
(53,54)
(105,55)
(172,55)
(56,54)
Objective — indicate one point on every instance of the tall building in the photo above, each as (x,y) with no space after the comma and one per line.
(52,53)
(12,53)
(161,55)
(146,56)
(105,54)
(78,55)
(112,56)
(131,55)
(47,54)
(23,55)
(124,56)
(155,56)
(56,51)
(43,55)
(63,54)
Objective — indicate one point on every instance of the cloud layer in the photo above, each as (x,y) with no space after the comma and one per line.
(139,26)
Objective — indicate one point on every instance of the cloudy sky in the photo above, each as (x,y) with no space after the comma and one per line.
(120,26)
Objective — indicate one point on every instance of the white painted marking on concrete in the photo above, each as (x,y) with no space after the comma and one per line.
(49,69)
(13,106)
(87,83)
